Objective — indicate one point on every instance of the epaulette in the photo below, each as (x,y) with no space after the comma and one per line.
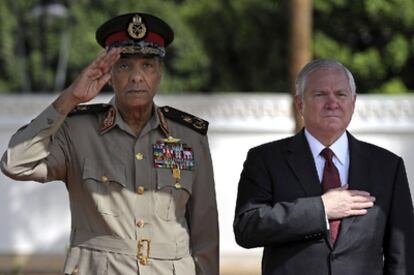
(89,108)
(197,124)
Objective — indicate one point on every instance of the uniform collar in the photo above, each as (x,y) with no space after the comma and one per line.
(113,118)
(109,120)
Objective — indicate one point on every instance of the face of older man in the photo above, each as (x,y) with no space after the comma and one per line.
(135,81)
(327,104)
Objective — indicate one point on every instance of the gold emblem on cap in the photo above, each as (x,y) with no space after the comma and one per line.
(137,29)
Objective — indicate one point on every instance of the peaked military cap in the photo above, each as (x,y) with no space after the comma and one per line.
(136,33)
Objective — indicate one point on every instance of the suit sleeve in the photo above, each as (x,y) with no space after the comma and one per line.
(34,152)
(399,235)
(262,221)
(202,215)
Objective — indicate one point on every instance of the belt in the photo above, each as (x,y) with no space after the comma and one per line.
(143,249)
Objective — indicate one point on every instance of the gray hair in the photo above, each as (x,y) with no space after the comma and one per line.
(320,64)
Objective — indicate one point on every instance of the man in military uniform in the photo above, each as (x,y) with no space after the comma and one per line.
(139,176)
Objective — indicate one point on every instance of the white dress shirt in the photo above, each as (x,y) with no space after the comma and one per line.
(341,155)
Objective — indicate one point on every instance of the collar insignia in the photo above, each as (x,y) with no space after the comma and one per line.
(164,128)
(109,119)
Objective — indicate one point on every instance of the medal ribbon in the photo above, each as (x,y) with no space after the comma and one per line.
(175,169)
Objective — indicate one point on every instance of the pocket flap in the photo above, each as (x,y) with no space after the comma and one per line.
(103,172)
(165,178)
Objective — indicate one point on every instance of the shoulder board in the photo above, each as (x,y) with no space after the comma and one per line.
(197,124)
(90,108)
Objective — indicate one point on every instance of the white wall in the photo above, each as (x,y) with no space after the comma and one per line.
(35,217)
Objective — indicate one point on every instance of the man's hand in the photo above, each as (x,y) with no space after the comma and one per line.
(341,203)
(89,83)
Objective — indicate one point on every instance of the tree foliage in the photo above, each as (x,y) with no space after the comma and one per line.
(220,45)
(32,46)
(373,38)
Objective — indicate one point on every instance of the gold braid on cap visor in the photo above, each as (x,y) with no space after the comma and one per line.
(142,47)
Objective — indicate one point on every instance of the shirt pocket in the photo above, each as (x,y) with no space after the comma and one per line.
(106,183)
(171,198)
(185,266)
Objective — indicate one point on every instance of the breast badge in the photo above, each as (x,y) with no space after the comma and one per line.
(175,156)
(170,155)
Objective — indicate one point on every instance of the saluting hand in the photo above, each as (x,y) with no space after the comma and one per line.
(89,83)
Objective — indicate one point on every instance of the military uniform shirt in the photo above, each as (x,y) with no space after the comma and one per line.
(128,217)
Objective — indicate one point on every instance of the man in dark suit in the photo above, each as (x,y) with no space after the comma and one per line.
(314,213)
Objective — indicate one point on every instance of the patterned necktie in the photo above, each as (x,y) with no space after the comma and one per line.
(331,180)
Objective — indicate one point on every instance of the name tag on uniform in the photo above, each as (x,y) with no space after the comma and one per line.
(173,155)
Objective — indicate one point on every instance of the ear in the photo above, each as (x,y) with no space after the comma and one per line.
(299,104)
(353,103)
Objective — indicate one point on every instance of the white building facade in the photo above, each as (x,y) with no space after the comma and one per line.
(35,218)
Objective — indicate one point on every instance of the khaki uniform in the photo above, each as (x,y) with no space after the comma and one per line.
(128,217)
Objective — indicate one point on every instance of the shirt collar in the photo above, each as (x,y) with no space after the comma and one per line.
(113,118)
(339,147)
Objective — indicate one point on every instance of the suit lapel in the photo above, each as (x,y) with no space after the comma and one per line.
(302,164)
(359,174)
(300,159)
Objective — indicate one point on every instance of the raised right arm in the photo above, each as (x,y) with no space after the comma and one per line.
(36,151)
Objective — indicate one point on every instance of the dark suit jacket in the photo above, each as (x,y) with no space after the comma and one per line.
(279,207)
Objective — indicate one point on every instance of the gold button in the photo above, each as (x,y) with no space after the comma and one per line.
(139,156)
(140,190)
(140,223)
(177,185)
(104,178)
(143,260)
(75,271)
